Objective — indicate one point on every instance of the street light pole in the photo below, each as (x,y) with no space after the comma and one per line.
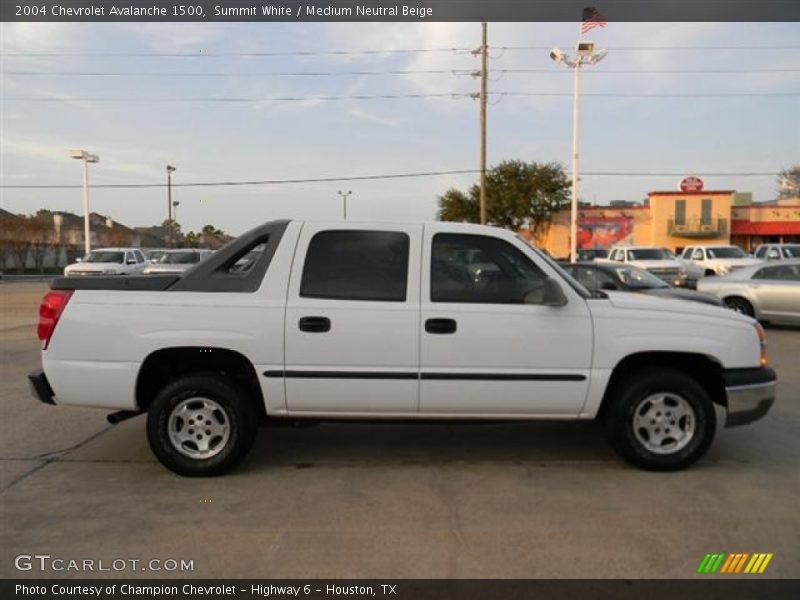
(585,54)
(87,158)
(170,170)
(573,225)
(344,196)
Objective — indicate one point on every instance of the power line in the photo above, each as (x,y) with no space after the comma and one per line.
(662,48)
(452,95)
(206,54)
(243,183)
(365,178)
(211,54)
(379,73)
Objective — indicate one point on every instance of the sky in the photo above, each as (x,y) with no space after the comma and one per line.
(262,139)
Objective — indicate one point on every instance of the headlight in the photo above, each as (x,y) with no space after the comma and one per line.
(722,269)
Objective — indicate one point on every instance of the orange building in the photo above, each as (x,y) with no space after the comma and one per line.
(675,220)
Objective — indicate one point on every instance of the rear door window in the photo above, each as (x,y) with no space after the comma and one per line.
(356,265)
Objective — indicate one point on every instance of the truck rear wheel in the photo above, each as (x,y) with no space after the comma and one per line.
(201,424)
(660,420)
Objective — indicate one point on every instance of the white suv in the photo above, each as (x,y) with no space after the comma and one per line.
(108,261)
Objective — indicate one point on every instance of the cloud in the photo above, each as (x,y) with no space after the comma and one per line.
(56,151)
(359,113)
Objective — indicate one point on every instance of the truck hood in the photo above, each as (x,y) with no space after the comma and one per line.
(168,268)
(659,305)
(92,267)
(656,264)
(735,262)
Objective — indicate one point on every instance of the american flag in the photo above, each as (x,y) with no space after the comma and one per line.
(591,19)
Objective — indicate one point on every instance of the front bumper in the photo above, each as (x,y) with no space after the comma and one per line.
(750,394)
(40,387)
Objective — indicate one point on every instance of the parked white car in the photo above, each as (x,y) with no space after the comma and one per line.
(172,262)
(659,261)
(108,261)
(715,260)
(777,251)
(392,321)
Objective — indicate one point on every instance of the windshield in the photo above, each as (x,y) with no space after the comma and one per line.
(638,278)
(648,254)
(791,251)
(179,258)
(571,281)
(105,257)
(726,252)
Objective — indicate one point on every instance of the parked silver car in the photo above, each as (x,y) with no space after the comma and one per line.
(768,292)
(174,262)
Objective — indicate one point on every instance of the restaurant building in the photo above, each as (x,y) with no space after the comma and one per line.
(688,216)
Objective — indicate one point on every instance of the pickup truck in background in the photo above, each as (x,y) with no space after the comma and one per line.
(658,261)
(108,261)
(708,261)
(305,320)
(777,251)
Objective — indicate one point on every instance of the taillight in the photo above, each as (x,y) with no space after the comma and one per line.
(50,310)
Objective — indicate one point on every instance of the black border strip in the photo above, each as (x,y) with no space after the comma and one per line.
(427,376)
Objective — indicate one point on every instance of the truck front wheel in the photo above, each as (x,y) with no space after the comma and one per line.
(201,424)
(660,420)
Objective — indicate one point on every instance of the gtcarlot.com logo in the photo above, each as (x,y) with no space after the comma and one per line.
(741,562)
(45,562)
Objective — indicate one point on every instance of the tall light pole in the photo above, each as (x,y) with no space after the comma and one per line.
(344,196)
(584,54)
(86,157)
(170,171)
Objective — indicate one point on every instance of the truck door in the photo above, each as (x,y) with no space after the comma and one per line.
(484,351)
(352,320)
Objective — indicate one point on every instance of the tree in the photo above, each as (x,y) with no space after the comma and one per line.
(172,230)
(518,194)
(789,182)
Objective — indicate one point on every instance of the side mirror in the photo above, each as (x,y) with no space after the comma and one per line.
(549,293)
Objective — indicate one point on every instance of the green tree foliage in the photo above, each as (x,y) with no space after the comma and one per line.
(518,194)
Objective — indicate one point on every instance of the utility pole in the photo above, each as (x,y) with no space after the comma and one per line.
(484,74)
(170,170)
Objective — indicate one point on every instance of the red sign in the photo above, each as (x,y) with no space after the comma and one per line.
(691,184)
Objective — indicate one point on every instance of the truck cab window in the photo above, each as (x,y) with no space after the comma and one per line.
(480,269)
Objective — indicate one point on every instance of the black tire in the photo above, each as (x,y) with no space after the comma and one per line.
(222,401)
(740,305)
(632,394)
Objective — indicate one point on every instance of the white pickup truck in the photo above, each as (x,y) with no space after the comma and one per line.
(305,320)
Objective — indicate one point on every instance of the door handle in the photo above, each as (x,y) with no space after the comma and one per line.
(314,324)
(440,326)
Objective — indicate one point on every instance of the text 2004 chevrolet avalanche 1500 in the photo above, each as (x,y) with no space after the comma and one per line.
(305,320)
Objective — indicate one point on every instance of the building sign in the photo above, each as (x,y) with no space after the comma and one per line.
(691,184)
(604,232)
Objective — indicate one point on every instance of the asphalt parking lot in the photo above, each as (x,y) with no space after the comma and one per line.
(388,501)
